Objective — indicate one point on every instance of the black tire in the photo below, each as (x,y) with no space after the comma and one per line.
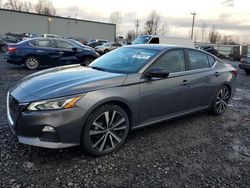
(31,63)
(220,102)
(4,48)
(106,51)
(101,138)
(247,71)
(87,60)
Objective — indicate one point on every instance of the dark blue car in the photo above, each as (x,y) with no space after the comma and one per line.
(48,52)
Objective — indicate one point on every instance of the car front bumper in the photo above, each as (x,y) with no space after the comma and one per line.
(29,127)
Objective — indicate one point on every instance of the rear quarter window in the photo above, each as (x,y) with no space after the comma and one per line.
(198,60)
(211,60)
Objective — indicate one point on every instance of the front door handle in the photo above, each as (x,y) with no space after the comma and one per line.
(184,82)
(61,52)
(216,74)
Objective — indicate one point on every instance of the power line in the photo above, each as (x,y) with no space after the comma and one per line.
(192,32)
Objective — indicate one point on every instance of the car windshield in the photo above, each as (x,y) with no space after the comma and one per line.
(124,60)
(141,40)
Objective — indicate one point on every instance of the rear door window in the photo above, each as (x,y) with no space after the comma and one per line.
(198,60)
(42,43)
(211,60)
(64,44)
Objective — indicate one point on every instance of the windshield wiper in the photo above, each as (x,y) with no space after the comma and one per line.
(97,68)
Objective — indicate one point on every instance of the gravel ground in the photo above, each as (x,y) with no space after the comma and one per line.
(196,151)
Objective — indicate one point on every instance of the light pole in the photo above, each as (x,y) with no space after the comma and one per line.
(192,32)
(49,20)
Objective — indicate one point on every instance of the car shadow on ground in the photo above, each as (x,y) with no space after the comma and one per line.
(44,154)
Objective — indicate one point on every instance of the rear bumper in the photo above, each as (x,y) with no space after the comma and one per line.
(244,66)
(13,60)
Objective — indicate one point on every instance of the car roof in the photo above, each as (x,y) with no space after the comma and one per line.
(157,46)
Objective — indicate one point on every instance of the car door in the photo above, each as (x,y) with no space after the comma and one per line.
(45,51)
(67,52)
(202,78)
(161,97)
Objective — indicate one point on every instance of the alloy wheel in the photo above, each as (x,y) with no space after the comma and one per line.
(31,63)
(108,130)
(222,100)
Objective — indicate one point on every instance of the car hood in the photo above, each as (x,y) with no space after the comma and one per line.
(63,81)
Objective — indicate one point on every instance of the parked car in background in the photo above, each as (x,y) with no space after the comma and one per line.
(5,40)
(107,47)
(154,39)
(3,46)
(96,43)
(9,39)
(210,49)
(245,64)
(77,43)
(80,39)
(126,89)
(51,36)
(48,51)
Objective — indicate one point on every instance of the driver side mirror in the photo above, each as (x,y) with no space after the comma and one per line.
(157,73)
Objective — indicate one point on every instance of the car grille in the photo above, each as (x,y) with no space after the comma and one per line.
(13,108)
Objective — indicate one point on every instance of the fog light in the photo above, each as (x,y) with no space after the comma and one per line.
(49,129)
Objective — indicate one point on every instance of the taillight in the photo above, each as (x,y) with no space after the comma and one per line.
(235,72)
(11,49)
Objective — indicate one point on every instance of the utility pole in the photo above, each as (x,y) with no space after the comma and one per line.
(137,26)
(192,32)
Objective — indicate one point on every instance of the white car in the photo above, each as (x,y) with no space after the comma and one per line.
(52,36)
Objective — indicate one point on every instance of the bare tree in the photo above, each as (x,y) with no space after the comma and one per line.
(229,40)
(28,6)
(18,5)
(154,26)
(45,7)
(214,36)
(152,23)
(116,18)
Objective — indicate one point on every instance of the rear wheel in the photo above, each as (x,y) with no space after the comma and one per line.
(247,71)
(31,63)
(106,51)
(220,103)
(106,130)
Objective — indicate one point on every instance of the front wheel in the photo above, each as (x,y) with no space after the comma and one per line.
(247,71)
(105,130)
(220,103)
(31,63)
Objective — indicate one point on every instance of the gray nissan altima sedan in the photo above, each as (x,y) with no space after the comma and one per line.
(128,88)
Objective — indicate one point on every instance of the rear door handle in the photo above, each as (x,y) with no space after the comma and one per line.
(184,82)
(61,52)
(216,74)
(39,51)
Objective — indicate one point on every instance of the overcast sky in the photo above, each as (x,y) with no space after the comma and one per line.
(227,16)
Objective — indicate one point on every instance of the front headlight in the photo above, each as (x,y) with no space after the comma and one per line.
(54,104)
